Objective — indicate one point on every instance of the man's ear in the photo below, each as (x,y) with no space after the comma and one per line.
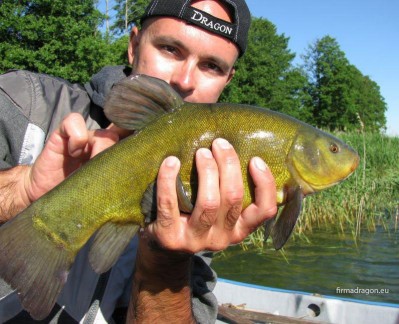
(232,72)
(133,43)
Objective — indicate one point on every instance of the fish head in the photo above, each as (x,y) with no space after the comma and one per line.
(319,160)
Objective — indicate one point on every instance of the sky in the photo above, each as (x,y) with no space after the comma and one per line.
(367,31)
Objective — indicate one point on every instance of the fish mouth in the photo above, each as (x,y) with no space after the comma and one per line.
(321,187)
(353,167)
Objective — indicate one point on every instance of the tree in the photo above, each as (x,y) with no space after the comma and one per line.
(339,90)
(128,12)
(53,36)
(368,103)
(265,76)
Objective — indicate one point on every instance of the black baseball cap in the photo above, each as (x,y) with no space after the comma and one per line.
(237,31)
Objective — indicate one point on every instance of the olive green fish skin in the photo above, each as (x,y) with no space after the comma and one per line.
(111,186)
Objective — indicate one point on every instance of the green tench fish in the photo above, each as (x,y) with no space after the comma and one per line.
(112,194)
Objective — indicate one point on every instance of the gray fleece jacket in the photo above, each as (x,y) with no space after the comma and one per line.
(31,107)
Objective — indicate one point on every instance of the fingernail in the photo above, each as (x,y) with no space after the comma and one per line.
(205,153)
(223,144)
(171,161)
(260,164)
(77,152)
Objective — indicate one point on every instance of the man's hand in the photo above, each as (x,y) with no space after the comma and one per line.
(161,289)
(217,219)
(70,146)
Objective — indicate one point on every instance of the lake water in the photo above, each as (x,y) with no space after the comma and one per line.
(328,265)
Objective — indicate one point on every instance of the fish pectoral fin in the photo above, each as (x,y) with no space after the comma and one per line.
(109,243)
(183,198)
(149,201)
(285,223)
(33,264)
(138,99)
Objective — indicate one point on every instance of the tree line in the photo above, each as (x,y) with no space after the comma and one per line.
(67,38)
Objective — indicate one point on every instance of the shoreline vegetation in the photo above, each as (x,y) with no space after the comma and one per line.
(367,200)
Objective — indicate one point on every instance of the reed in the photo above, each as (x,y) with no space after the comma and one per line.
(367,199)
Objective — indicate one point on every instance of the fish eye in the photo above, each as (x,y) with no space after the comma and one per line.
(334,148)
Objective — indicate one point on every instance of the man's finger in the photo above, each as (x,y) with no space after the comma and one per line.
(231,183)
(73,128)
(122,133)
(265,205)
(167,206)
(101,139)
(207,203)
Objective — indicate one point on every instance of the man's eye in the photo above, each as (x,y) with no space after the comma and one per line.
(169,48)
(213,67)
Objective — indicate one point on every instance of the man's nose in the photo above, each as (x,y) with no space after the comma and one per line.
(183,79)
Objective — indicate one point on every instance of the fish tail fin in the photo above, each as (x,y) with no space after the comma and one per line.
(32,264)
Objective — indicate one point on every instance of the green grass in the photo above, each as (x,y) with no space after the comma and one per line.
(367,199)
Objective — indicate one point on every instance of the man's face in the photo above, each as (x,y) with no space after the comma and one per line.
(196,63)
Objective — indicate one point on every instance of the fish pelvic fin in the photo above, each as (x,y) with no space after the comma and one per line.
(286,221)
(268,226)
(109,243)
(139,99)
(32,264)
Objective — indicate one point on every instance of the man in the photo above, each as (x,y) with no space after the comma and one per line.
(193,46)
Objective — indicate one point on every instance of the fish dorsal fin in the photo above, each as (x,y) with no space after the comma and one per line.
(109,243)
(285,223)
(139,99)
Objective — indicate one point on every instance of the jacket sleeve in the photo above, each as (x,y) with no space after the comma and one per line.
(31,107)
(13,126)
(203,281)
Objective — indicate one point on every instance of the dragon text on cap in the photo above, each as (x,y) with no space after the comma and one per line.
(217,26)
